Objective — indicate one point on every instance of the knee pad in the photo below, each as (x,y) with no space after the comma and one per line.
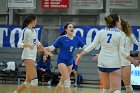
(15,91)
(67,83)
(129,88)
(34,82)
(106,91)
(27,84)
(61,84)
(117,91)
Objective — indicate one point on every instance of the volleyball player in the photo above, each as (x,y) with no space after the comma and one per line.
(111,40)
(30,42)
(126,65)
(67,44)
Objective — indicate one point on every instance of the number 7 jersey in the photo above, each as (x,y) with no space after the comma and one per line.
(110,40)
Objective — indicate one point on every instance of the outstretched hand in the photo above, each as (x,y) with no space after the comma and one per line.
(47,53)
(77,59)
(46,48)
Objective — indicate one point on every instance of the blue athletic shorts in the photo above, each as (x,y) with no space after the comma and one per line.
(75,67)
(108,70)
(66,62)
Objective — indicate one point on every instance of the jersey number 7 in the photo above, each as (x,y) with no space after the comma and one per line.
(109,37)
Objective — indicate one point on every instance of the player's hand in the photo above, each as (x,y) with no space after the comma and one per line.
(46,48)
(31,46)
(77,59)
(47,53)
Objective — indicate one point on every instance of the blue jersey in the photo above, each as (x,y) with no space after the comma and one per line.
(67,47)
(45,65)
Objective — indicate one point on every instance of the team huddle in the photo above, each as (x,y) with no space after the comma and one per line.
(114,58)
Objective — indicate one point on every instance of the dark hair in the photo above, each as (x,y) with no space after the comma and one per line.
(28,19)
(111,20)
(41,56)
(126,27)
(63,33)
(65,27)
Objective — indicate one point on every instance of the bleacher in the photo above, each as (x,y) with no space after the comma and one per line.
(87,67)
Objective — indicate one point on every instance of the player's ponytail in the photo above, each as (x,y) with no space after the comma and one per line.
(126,27)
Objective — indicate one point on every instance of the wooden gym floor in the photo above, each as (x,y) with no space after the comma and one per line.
(9,88)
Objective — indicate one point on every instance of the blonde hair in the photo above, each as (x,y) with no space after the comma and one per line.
(126,27)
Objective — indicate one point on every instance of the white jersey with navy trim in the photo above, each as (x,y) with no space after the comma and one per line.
(29,37)
(128,43)
(111,41)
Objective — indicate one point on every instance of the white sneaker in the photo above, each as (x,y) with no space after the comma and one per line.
(49,82)
(75,85)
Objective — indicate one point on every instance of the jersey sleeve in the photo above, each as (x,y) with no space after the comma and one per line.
(135,40)
(57,43)
(38,42)
(122,48)
(22,38)
(95,42)
(51,48)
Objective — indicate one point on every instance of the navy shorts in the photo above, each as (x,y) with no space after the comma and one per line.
(75,67)
(108,70)
(66,62)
